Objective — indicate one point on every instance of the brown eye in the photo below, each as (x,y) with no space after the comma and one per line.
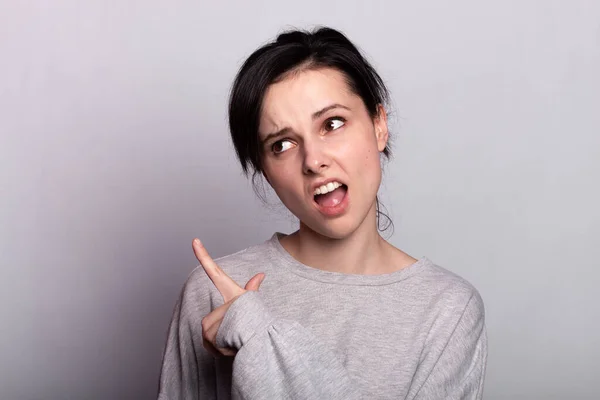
(334,123)
(281,146)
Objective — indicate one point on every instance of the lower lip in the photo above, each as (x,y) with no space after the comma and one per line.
(335,210)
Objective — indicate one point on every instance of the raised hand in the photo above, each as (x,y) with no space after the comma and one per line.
(230,291)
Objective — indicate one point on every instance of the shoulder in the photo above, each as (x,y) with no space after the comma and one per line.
(450,293)
(452,308)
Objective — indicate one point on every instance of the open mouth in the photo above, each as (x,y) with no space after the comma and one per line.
(330,195)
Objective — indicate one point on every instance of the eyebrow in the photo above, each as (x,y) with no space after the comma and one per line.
(316,115)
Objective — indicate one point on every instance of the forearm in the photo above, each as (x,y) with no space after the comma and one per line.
(279,358)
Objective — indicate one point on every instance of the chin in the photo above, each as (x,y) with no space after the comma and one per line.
(338,229)
(342,226)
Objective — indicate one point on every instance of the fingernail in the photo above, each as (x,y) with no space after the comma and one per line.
(197,241)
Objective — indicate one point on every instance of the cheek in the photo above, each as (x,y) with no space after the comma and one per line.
(366,161)
(364,154)
(371,167)
(283,178)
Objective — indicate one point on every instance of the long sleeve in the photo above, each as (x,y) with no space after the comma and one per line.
(279,359)
(417,334)
(188,371)
(454,368)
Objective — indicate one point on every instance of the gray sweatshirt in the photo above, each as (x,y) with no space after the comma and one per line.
(417,333)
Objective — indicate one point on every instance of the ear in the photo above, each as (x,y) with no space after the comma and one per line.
(381,128)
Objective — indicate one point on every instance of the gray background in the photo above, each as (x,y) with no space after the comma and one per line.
(114,154)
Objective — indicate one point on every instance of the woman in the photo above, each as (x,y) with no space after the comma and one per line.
(342,313)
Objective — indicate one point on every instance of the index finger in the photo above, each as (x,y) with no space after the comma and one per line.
(224,284)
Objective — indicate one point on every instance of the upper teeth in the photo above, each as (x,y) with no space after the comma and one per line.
(330,187)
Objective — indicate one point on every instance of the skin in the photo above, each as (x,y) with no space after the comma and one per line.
(349,243)
(230,291)
(302,146)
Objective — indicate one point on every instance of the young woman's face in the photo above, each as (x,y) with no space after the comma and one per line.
(315,131)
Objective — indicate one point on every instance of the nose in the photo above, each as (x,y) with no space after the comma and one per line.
(315,159)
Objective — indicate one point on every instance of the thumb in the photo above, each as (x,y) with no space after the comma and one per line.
(255,281)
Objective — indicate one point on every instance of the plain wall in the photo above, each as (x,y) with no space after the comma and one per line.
(114,155)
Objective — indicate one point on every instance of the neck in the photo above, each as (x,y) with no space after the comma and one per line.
(364,251)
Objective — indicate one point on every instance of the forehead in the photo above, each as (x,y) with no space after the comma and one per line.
(300,94)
